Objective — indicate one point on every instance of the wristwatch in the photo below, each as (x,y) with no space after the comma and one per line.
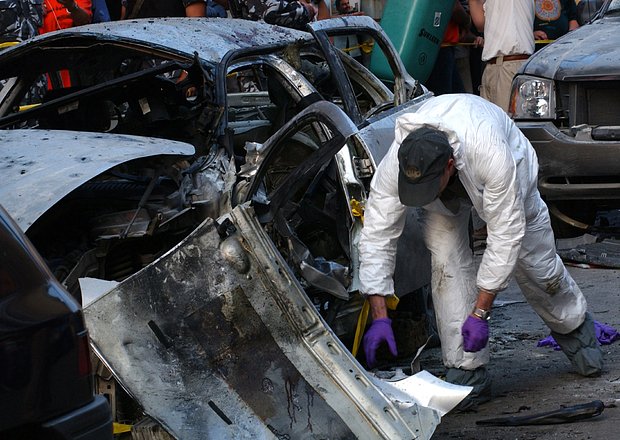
(482,314)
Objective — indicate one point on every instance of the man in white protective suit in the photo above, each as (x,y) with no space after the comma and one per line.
(455,151)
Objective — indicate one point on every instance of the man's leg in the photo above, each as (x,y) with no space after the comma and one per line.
(454,294)
(555,297)
(497,82)
(582,348)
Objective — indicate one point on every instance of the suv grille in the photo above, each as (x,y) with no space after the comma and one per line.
(592,103)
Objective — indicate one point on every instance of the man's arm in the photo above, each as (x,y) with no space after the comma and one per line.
(572,25)
(460,15)
(503,209)
(378,306)
(384,219)
(195,9)
(79,15)
(323,11)
(476,10)
(485,300)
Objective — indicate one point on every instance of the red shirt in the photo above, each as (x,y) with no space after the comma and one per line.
(452,34)
(56,16)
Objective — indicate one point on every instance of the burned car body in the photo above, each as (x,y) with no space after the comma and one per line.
(277,124)
(233,340)
(566,99)
(188,80)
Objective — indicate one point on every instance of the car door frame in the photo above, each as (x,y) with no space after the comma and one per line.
(405,86)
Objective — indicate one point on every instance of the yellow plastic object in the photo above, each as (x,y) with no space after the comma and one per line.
(23,108)
(366,47)
(391,302)
(357,209)
(121,428)
(8,44)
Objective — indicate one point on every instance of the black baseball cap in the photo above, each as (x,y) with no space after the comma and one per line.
(422,159)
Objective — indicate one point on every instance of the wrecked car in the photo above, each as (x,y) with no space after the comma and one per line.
(565,99)
(210,176)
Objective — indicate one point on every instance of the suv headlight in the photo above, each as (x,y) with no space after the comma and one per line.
(532,98)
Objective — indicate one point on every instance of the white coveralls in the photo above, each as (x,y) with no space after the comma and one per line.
(498,168)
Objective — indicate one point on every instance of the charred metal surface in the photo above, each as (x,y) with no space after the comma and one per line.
(241,350)
(197,356)
(212,38)
(248,357)
(40,167)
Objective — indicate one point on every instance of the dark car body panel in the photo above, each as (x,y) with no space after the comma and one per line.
(561,156)
(45,376)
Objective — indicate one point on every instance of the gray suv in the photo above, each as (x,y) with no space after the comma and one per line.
(566,99)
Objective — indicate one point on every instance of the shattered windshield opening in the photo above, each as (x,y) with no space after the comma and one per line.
(106,88)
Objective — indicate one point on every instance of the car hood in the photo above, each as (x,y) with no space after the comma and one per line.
(591,51)
(39,167)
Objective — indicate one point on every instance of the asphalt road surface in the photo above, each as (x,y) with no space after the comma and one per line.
(528,379)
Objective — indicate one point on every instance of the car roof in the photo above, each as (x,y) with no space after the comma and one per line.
(211,38)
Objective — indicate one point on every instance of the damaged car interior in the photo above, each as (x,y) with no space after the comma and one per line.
(264,156)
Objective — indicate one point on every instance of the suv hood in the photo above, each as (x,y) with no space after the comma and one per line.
(590,51)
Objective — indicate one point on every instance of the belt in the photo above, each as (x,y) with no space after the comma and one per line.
(520,56)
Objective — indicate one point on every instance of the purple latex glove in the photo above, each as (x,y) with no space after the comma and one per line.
(605,334)
(380,331)
(475,333)
(549,341)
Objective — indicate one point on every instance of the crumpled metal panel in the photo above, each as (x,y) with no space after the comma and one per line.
(218,340)
(39,167)
(212,38)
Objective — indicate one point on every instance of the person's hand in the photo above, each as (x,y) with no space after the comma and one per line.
(70,5)
(380,331)
(312,10)
(475,333)
(479,41)
(540,35)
